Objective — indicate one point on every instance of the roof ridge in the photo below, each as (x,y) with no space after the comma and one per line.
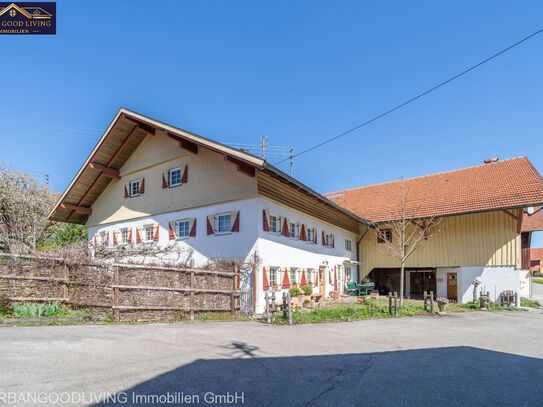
(429,175)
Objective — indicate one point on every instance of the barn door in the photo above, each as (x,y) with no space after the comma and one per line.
(452,286)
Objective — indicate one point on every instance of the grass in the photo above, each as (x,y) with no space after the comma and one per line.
(219,316)
(38,310)
(537,280)
(527,302)
(375,309)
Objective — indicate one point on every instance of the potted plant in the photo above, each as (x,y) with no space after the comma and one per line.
(441,302)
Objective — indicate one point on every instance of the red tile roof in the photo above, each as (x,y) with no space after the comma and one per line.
(497,185)
(536,253)
(532,223)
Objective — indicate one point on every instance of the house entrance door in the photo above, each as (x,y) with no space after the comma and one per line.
(452,287)
(321,280)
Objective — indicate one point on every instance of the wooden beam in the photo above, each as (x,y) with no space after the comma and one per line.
(518,218)
(107,171)
(243,167)
(144,126)
(79,209)
(184,143)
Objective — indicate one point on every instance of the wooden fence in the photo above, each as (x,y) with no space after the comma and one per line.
(129,291)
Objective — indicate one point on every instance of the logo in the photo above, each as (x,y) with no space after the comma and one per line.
(28,18)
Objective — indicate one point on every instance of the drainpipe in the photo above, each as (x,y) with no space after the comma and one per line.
(358,252)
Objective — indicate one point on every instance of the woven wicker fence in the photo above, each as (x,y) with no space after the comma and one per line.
(128,291)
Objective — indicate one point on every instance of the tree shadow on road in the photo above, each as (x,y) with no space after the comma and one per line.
(450,376)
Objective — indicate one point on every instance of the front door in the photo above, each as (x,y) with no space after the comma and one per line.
(452,287)
(321,280)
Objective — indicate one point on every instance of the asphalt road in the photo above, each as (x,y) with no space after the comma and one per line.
(472,359)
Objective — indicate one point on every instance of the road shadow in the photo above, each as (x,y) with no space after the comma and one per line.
(449,376)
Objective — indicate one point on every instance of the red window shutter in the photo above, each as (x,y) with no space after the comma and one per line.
(157,230)
(315,235)
(303,280)
(265,281)
(285,231)
(185,176)
(323,238)
(164,181)
(316,281)
(265,224)
(106,241)
(302,232)
(192,232)
(129,240)
(335,278)
(171,232)
(142,186)
(210,222)
(138,236)
(235,224)
(286,280)
(125,191)
(332,243)
(115,242)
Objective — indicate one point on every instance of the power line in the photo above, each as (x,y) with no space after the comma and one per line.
(415,97)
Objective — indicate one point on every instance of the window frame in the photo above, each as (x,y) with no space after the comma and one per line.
(274,274)
(310,276)
(145,229)
(388,235)
(123,236)
(178,230)
(293,275)
(350,245)
(170,182)
(216,226)
(294,227)
(310,235)
(278,221)
(103,238)
(131,184)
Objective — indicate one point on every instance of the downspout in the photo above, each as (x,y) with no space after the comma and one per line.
(358,252)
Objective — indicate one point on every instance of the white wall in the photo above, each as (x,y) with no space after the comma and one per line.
(272,249)
(495,280)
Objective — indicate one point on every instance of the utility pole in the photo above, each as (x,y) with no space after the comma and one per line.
(291,159)
(263,145)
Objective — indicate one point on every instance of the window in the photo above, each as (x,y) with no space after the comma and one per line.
(384,235)
(293,272)
(103,238)
(349,273)
(148,235)
(310,235)
(310,276)
(273,276)
(124,236)
(328,239)
(223,223)
(294,230)
(174,176)
(182,227)
(348,245)
(275,224)
(134,188)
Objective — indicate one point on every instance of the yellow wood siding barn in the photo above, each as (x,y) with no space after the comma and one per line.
(488,238)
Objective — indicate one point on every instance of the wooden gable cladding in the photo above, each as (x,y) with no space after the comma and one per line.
(294,198)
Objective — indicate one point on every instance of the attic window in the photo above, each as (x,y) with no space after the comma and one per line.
(384,236)
(175,177)
(134,188)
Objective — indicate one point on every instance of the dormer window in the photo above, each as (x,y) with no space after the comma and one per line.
(174,176)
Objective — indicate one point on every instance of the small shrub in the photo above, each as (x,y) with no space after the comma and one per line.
(307,289)
(294,292)
(527,302)
(38,309)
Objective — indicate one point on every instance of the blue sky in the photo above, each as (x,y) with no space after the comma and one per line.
(296,71)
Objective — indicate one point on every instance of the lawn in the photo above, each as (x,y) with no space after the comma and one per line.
(537,280)
(336,312)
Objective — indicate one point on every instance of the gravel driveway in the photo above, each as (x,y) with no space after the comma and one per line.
(484,359)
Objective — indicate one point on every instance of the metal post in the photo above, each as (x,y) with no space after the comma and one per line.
(267,306)
(289,305)
(431,301)
(395,304)
(273,307)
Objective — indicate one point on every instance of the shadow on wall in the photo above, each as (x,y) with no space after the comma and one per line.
(452,376)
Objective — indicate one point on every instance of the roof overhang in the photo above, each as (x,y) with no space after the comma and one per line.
(123,136)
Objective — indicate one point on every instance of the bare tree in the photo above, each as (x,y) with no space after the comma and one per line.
(405,232)
(24,205)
